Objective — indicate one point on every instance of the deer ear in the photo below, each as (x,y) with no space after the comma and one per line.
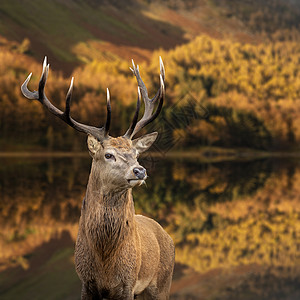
(144,142)
(93,144)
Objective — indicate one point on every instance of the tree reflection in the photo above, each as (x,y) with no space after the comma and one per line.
(220,214)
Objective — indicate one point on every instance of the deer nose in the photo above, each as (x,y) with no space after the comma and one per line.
(139,172)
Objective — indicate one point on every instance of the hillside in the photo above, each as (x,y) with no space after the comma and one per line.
(75,32)
(246,77)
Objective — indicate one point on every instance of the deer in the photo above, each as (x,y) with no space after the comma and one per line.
(118,254)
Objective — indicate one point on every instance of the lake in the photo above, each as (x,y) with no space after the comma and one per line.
(235,224)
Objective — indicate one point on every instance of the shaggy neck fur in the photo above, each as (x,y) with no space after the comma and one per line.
(109,215)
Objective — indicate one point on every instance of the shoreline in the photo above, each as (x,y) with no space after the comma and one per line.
(205,154)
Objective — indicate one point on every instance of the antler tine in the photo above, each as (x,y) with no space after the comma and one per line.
(65,116)
(68,99)
(135,117)
(141,84)
(148,117)
(162,68)
(108,117)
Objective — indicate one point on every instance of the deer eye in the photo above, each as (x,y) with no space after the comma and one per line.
(109,156)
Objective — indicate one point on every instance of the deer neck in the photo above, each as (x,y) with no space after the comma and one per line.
(108,215)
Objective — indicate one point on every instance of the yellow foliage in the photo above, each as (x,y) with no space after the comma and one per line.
(250,90)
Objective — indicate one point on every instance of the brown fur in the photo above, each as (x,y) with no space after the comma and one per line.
(119,254)
(119,143)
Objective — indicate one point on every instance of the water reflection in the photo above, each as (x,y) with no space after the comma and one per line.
(236,226)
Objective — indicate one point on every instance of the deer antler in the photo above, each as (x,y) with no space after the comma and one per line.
(148,117)
(99,133)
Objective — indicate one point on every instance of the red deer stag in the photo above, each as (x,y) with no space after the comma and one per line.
(118,255)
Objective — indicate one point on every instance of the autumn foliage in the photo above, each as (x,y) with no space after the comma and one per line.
(250,91)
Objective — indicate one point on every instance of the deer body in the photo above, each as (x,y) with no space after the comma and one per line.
(118,255)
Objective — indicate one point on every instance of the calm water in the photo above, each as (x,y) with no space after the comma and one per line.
(236,226)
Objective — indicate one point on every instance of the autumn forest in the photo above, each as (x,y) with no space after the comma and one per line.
(243,94)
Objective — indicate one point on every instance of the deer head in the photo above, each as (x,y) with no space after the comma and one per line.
(114,159)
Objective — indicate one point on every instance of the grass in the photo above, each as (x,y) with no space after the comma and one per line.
(56,28)
(47,21)
(60,27)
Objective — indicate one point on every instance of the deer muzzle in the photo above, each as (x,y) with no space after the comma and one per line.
(140,173)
